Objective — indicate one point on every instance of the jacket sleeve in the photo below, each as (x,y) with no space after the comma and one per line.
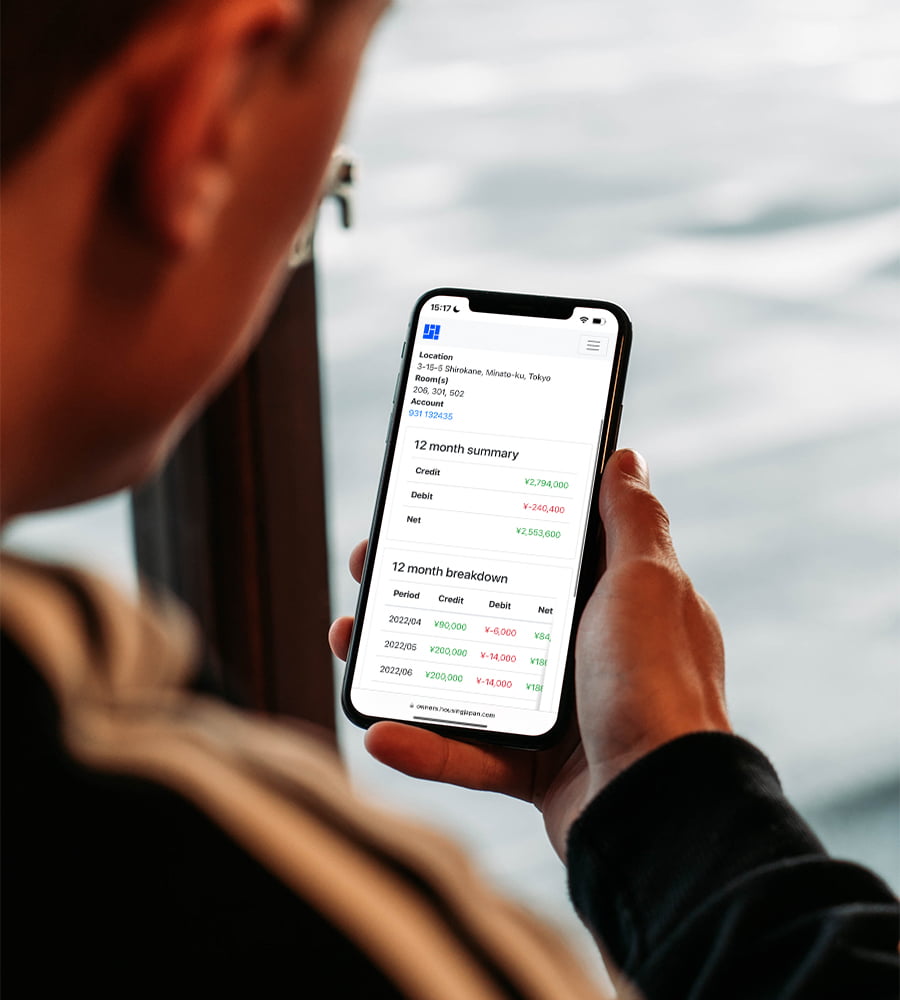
(700,881)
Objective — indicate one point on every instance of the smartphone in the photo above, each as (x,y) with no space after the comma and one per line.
(483,548)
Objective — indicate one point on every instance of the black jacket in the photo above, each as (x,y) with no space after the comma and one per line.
(698,876)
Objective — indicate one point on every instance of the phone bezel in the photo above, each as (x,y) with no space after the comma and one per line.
(509,303)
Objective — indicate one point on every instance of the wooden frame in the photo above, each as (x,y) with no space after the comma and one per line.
(235,524)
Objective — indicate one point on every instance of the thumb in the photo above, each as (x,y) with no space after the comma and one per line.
(635,522)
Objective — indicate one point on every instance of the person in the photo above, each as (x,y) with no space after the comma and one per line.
(157,159)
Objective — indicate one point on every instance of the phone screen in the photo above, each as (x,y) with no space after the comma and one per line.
(472,580)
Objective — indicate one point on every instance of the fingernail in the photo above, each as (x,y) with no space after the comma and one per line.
(634,464)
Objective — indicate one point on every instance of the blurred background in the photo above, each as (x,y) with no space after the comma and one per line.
(728,173)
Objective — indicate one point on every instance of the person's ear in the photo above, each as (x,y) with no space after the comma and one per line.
(185,146)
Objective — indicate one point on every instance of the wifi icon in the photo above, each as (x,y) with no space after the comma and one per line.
(583,319)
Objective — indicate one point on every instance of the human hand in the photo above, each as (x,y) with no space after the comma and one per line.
(650,664)
(649,667)
(554,780)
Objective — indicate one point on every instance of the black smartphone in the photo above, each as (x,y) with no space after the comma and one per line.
(483,548)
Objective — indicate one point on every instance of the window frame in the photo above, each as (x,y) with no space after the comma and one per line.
(235,524)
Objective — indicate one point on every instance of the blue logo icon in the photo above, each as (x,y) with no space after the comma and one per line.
(432,331)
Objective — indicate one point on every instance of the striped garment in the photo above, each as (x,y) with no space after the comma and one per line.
(120,674)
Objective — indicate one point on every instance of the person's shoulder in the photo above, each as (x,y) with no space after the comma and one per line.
(114,872)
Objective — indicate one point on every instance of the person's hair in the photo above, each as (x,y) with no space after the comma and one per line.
(49,48)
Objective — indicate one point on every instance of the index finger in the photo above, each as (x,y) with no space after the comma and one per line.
(423,754)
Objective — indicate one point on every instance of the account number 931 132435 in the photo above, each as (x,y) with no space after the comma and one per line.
(431,414)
